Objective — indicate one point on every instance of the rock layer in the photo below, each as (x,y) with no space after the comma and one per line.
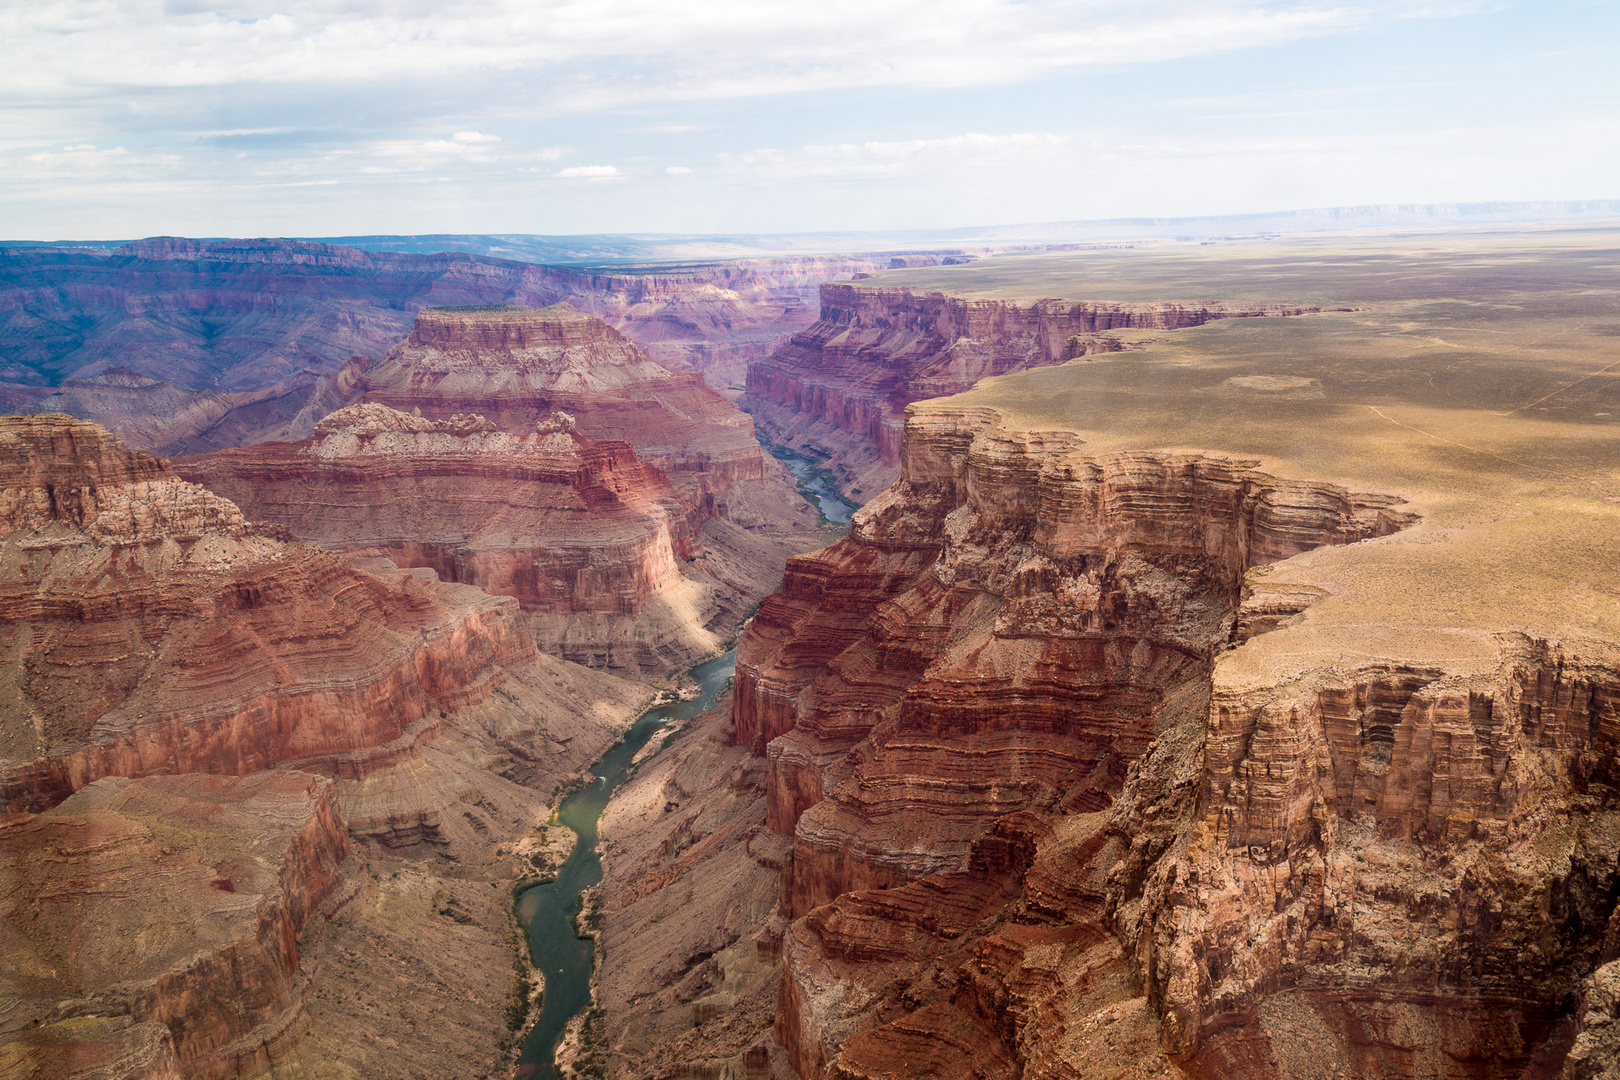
(842,385)
(587,538)
(538,454)
(205,965)
(517,365)
(148,631)
(1045,823)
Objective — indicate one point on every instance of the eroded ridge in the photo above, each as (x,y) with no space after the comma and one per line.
(586,537)
(147,629)
(198,721)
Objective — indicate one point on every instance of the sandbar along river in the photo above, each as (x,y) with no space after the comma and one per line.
(547,910)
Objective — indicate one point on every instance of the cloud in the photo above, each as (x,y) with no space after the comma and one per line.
(588,53)
(587,172)
(879,160)
(678,170)
(474,137)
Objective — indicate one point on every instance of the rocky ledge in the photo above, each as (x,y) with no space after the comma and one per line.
(1071,793)
(154,923)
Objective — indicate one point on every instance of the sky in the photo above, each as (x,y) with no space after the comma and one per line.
(127,118)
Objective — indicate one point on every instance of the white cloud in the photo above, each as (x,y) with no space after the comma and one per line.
(626,51)
(878,160)
(678,170)
(474,137)
(587,172)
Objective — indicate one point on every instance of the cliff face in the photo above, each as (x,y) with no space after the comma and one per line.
(147,631)
(1044,824)
(186,346)
(517,365)
(539,454)
(849,377)
(200,646)
(205,967)
(1418,865)
(586,537)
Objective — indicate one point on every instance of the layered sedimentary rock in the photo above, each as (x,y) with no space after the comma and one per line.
(1045,824)
(585,536)
(154,923)
(517,365)
(147,631)
(842,385)
(1002,634)
(186,346)
(539,454)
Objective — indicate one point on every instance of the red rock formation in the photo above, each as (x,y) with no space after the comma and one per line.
(999,639)
(1419,865)
(1042,827)
(517,365)
(147,629)
(205,967)
(875,350)
(587,538)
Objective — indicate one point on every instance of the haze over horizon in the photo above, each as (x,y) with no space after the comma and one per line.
(346,117)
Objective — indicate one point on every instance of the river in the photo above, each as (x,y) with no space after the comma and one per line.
(815,484)
(547,910)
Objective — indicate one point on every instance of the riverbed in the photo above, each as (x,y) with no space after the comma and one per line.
(555,947)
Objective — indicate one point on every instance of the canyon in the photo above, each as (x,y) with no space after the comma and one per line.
(536,453)
(840,388)
(1134,731)
(186,346)
(259,731)
(1197,693)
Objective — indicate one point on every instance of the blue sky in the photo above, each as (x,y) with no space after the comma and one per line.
(123,118)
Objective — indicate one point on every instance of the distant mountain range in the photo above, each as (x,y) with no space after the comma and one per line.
(618,250)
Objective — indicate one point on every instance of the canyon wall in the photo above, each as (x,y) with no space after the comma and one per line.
(185,346)
(538,454)
(1045,822)
(841,387)
(208,735)
(586,537)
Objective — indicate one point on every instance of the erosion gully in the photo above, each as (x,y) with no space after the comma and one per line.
(548,911)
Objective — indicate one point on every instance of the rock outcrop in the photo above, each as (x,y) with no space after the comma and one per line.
(586,537)
(148,629)
(1046,821)
(163,660)
(517,365)
(842,385)
(224,872)
(540,455)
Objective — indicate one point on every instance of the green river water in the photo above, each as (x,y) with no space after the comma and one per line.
(555,948)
